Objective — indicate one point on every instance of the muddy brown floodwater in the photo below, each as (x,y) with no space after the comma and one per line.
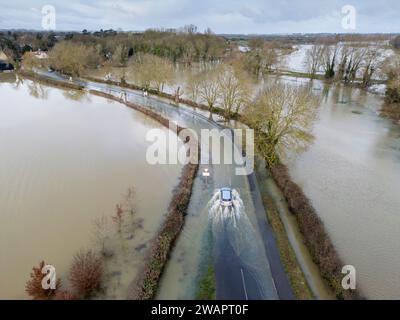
(352,176)
(66,159)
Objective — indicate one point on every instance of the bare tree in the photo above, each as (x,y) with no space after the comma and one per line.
(392,71)
(356,58)
(151,71)
(313,59)
(372,63)
(282,116)
(209,88)
(234,90)
(102,231)
(193,81)
(120,56)
(130,201)
(261,57)
(329,57)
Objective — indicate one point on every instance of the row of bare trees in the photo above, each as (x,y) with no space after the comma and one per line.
(346,62)
(225,86)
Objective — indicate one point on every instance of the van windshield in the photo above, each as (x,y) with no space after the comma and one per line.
(226,195)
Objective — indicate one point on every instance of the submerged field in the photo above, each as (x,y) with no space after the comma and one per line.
(67,160)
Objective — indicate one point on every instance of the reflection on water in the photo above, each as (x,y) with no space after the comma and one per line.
(65,162)
(352,176)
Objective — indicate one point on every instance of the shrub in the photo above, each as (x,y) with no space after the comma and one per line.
(34,286)
(85,273)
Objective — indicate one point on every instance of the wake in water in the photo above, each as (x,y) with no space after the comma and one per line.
(233,232)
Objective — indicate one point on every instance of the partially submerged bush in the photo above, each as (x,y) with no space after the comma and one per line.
(34,287)
(85,273)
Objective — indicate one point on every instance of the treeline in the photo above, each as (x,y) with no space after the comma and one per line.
(347,62)
(16,44)
(185,45)
(177,46)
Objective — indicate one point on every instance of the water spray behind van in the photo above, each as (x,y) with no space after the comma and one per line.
(235,243)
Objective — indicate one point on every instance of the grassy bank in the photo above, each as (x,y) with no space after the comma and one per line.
(297,279)
(315,235)
(207,289)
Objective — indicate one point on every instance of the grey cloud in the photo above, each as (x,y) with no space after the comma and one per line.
(225,16)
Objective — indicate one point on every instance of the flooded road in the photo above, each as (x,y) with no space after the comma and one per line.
(66,159)
(352,176)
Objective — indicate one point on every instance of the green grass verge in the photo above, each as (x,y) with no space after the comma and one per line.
(297,279)
(206,289)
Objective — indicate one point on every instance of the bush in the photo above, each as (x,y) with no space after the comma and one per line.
(34,286)
(85,273)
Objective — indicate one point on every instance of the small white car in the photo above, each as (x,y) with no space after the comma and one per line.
(226,197)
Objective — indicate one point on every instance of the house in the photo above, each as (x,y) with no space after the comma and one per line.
(40,54)
(4,64)
(3,56)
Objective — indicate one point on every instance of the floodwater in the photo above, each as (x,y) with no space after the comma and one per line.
(67,159)
(352,176)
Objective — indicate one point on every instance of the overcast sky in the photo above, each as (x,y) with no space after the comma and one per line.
(222,16)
